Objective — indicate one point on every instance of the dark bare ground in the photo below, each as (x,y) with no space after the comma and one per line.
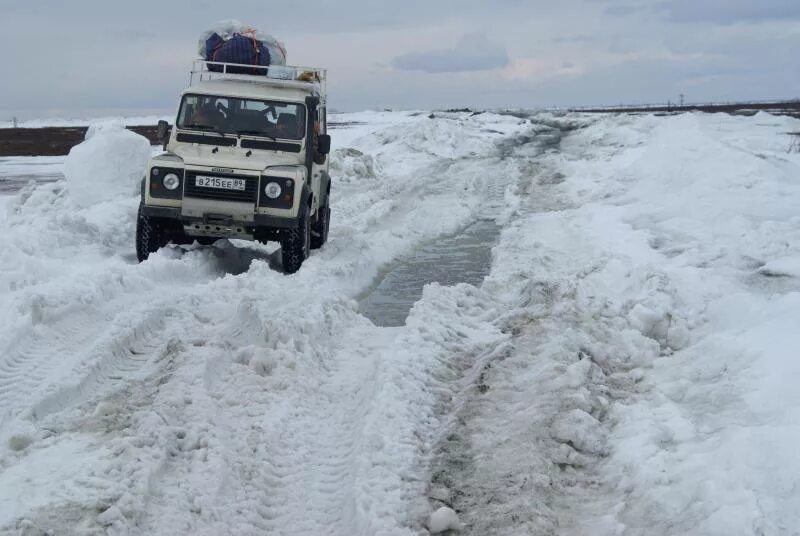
(57,141)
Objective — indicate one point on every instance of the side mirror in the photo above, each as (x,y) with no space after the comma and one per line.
(163,131)
(324,144)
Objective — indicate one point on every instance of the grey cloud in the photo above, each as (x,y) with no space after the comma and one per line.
(624,11)
(575,39)
(708,11)
(730,11)
(472,53)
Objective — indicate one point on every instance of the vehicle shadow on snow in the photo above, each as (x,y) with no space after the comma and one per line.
(235,259)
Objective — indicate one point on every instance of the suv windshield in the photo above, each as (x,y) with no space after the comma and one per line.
(231,115)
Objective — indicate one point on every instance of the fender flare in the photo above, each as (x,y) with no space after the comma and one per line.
(325,189)
(306,198)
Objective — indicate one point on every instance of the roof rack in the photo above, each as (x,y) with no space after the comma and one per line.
(274,75)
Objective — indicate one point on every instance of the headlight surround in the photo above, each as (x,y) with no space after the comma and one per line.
(272,190)
(171,181)
(166,182)
(277,192)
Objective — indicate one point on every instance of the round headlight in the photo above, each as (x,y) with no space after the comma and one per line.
(273,190)
(170,181)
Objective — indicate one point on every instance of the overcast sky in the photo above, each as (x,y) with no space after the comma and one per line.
(89,58)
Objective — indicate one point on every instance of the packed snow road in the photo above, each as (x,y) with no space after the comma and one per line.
(625,366)
(17,171)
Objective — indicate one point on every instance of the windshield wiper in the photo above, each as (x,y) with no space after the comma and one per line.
(256,133)
(206,128)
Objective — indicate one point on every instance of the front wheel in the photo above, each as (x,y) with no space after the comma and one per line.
(151,235)
(296,244)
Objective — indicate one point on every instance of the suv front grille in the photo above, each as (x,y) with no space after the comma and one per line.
(248,195)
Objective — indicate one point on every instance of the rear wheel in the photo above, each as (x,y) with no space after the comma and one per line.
(151,235)
(319,231)
(296,244)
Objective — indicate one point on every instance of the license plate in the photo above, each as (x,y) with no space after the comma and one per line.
(221,183)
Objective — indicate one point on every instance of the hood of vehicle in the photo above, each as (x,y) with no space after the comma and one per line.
(209,156)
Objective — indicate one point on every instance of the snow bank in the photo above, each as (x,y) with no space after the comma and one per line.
(109,164)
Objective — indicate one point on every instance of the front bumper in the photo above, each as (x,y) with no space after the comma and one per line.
(208,224)
(172,213)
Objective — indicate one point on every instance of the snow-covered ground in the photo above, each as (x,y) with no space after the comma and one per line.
(627,367)
(16,171)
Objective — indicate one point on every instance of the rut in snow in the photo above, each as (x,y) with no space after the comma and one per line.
(485,491)
(465,256)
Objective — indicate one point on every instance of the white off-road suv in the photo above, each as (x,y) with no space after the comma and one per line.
(246,158)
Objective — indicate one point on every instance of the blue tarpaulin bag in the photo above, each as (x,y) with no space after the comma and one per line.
(238,49)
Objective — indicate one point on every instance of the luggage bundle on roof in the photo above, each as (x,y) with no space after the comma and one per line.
(233,42)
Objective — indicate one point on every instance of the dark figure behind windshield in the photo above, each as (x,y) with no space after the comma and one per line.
(243,116)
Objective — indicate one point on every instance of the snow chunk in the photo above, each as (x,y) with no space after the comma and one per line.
(19,442)
(443,519)
(110,516)
(18,435)
(107,165)
(351,164)
(580,429)
(786,267)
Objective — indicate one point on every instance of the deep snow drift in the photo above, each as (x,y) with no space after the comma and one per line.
(110,156)
(626,368)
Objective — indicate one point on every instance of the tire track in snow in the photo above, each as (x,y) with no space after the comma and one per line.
(120,351)
(356,446)
(242,410)
(72,351)
(459,476)
(30,362)
(316,454)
